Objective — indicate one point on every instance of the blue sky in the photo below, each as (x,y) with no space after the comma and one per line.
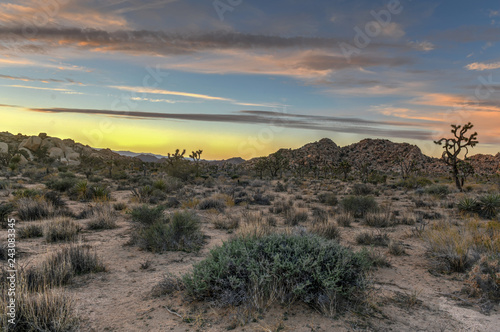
(244,78)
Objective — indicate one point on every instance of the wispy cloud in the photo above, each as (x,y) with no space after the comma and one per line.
(43,80)
(138,89)
(331,124)
(483,66)
(37,88)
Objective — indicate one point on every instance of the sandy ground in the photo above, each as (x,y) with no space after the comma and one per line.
(404,297)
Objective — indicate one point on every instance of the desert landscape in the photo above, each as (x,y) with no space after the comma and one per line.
(106,242)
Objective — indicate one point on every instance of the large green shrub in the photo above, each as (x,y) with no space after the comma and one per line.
(258,271)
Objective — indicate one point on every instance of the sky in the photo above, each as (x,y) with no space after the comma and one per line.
(245,78)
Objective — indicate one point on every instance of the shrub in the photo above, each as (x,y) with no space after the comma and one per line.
(449,247)
(359,206)
(60,268)
(484,279)
(120,206)
(327,230)
(438,190)
(468,204)
(54,198)
(362,189)
(30,231)
(345,219)
(372,239)
(212,203)
(246,271)
(226,222)
(293,217)
(5,210)
(62,185)
(103,217)
(414,183)
(34,209)
(182,231)
(100,193)
(280,187)
(379,219)
(61,229)
(168,285)
(319,215)
(328,199)
(396,248)
(281,207)
(146,215)
(48,310)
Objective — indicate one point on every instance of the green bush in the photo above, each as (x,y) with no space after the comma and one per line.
(180,232)
(468,204)
(147,216)
(62,185)
(359,206)
(278,267)
(439,190)
(361,189)
(414,183)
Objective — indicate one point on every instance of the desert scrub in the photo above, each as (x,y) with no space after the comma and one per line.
(345,219)
(293,217)
(359,206)
(258,271)
(379,219)
(179,232)
(373,239)
(61,267)
(60,229)
(328,199)
(438,190)
(48,310)
(486,206)
(30,231)
(212,203)
(327,230)
(146,215)
(5,210)
(103,217)
(483,280)
(34,208)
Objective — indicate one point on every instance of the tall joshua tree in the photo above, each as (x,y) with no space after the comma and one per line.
(454,146)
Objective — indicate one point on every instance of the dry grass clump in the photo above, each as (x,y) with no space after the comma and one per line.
(373,239)
(47,310)
(396,248)
(254,224)
(225,221)
(327,230)
(293,217)
(345,219)
(34,208)
(212,203)
(30,231)
(379,219)
(61,229)
(483,281)
(103,216)
(319,215)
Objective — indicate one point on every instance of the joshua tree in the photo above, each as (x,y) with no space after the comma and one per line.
(454,146)
(196,156)
(344,168)
(465,169)
(407,165)
(276,163)
(260,166)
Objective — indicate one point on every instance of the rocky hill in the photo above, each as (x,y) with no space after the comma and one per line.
(65,151)
(379,154)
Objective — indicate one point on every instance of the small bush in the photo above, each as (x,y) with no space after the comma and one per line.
(319,215)
(296,216)
(34,209)
(281,207)
(484,279)
(438,190)
(30,231)
(146,215)
(280,187)
(468,205)
(100,193)
(327,230)
(5,211)
(48,310)
(328,199)
(168,285)
(61,229)
(379,219)
(212,203)
(361,189)
(414,183)
(103,217)
(396,248)
(359,206)
(345,219)
(180,232)
(62,185)
(245,271)
(372,239)
(120,206)
(226,222)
